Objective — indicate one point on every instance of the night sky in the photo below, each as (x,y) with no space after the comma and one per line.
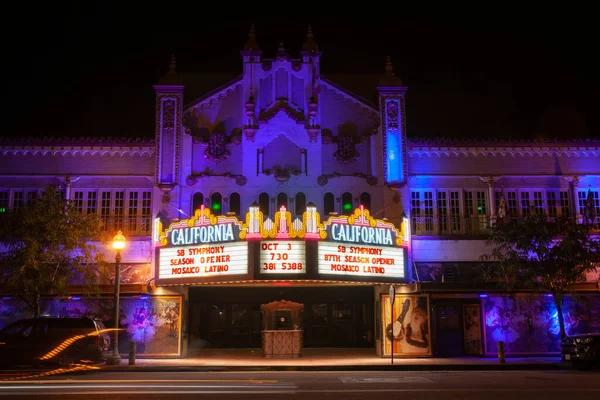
(89,72)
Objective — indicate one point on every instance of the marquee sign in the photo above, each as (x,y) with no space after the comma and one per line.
(203,261)
(203,246)
(202,228)
(359,245)
(354,245)
(282,257)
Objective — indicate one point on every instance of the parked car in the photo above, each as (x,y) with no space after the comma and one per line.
(46,340)
(583,351)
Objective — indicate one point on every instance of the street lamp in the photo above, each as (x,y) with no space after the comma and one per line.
(118,244)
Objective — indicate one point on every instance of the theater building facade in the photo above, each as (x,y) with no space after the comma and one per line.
(282,184)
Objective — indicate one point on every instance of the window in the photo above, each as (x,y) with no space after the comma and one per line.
(328,204)
(197,202)
(300,203)
(582,196)
(347,206)
(263,203)
(3,201)
(565,206)
(234,203)
(282,200)
(365,200)
(78,201)
(216,203)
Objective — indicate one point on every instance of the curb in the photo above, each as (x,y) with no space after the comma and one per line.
(409,367)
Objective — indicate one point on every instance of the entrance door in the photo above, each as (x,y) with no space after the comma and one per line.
(449,328)
(343,324)
(231,317)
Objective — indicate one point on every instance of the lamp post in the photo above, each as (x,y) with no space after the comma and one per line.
(118,244)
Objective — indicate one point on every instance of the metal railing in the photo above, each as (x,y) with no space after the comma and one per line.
(479,224)
(130,226)
(453,225)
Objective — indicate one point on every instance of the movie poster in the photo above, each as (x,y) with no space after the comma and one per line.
(528,324)
(472,329)
(408,328)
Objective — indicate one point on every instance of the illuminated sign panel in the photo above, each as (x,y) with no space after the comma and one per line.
(283,257)
(205,260)
(359,260)
(203,246)
(361,246)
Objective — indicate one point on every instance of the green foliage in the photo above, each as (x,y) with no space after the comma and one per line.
(47,243)
(533,253)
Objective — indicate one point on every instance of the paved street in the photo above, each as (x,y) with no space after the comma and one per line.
(532,385)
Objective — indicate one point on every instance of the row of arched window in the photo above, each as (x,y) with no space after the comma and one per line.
(296,204)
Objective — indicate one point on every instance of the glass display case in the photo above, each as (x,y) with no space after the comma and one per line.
(282,334)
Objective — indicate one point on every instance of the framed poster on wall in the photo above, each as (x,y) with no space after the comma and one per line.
(408,330)
(472,329)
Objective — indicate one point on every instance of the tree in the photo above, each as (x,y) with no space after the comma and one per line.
(548,257)
(47,243)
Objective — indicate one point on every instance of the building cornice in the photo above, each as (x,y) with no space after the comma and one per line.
(515,149)
(77,147)
(356,99)
(216,95)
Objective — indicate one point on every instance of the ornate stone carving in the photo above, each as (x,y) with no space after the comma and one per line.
(281,53)
(392,112)
(322,180)
(282,174)
(281,105)
(312,127)
(241,180)
(346,152)
(236,139)
(169,114)
(216,150)
(250,125)
(192,179)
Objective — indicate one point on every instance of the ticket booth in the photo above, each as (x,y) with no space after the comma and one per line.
(282,334)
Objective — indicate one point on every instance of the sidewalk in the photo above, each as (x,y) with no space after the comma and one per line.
(328,360)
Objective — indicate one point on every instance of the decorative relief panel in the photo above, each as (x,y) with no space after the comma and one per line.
(346,152)
(168,114)
(216,150)
(392,112)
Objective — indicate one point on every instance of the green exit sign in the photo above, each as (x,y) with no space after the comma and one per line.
(2,209)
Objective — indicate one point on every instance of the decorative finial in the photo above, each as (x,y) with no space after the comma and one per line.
(389,78)
(281,54)
(389,69)
(310,44)
(171,77)
(251,43)
(173,66)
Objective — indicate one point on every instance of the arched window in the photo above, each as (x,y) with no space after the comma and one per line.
(282,200)
(300,203)
(197,201)
(328,204)
(347,206)
(216,203)
(234,203)
(263,203)
(365,200)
